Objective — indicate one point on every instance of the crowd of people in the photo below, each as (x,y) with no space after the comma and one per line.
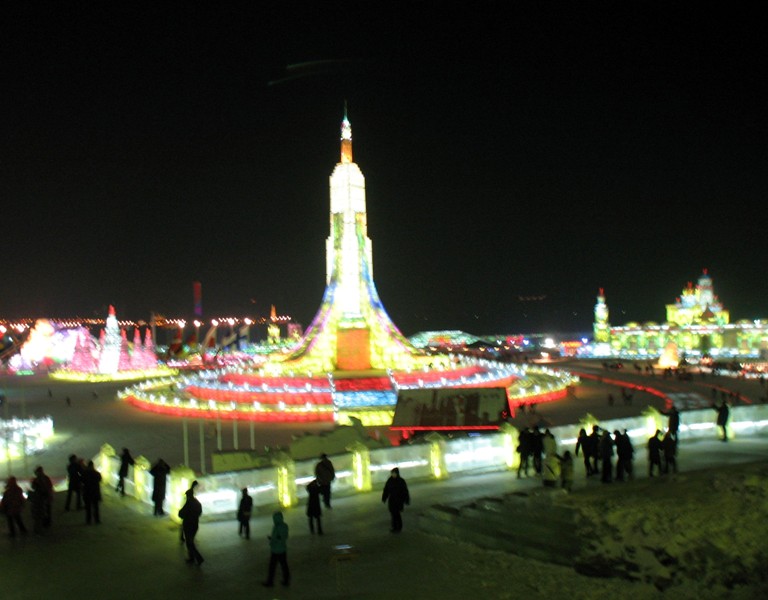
(609,455)
(83,492)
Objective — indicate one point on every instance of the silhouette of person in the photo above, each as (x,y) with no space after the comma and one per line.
(74,483)
(396,494)
(314,509)
(594,448)
(673,423)
(654,453)
(669,448)
(42,501)
(244,510)
(624,454)
(190,522)
(91,493)
(325,474)
(12,505)
(278,551)
(159,471)
(181,530)
(584,444)
(126,461)
(722,419)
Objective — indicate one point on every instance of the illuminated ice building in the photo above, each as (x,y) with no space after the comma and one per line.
(352,360)
(696,324)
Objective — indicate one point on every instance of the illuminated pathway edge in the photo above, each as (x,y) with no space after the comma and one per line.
(240,394)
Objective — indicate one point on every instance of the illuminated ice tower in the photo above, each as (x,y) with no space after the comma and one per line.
(110,349)
(352,331)
(602,327)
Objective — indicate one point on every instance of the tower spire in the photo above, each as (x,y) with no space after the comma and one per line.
(346,138)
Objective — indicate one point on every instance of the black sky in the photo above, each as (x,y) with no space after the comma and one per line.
(511,150)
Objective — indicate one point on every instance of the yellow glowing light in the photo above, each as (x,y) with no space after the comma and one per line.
(436,458)
(283,493)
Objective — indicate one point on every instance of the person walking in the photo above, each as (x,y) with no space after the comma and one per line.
(126,461)
(181,529)
(584,444)
(325,474)
(314,508)
(278,551)
(159,471)
(396,494)
(550,474)
(722,419)
(654,453)
(74,483)
(12,505)
(92,493)
(244,514)
(190,522)
(42,504)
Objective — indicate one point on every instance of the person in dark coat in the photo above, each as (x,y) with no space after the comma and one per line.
(192,487)
(624,455)
(669,449)
(594,448)
(190,522)
(396,494)
(74,483)
(42,500)
(91,493)
(583,443)
(159,471)
(126,461)
(524,449)
(278,551)
(314,509)
(325,474)
(12,505)
(654,453)
(244,510)
(722,419)
(673,424)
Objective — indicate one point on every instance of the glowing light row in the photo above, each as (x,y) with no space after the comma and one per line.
(66,375)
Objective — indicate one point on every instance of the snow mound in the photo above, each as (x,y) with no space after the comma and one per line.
(705,530)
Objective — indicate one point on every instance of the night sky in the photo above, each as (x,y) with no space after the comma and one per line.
(518,157)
